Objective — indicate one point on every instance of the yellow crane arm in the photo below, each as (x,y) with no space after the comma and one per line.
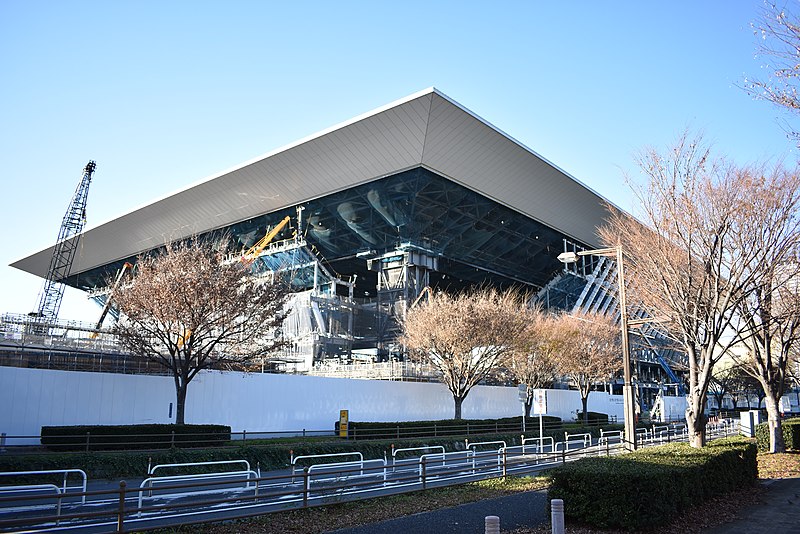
(253,252)
(425,291)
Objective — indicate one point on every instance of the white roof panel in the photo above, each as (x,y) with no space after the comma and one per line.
(426,129)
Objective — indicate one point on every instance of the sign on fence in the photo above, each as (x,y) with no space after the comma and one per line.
(344,416)
(539,402)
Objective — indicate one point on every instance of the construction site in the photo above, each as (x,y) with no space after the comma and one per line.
(361,221)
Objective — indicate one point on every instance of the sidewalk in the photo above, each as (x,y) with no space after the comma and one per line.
(777,513)
(525,509)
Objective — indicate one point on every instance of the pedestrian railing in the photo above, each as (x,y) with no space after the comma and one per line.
(188,498)
(542,444)
(63,473)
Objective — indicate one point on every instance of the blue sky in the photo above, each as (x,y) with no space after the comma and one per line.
(164,94)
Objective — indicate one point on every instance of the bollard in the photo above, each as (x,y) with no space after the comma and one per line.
(557,516)
(491,524)
(3,442)
(121,507)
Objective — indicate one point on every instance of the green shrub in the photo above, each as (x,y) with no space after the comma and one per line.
(595,418)
(110,465)
(445,427)
(649,487)
(127,437)
(791,434)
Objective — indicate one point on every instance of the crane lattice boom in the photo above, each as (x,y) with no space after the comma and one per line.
(64,251)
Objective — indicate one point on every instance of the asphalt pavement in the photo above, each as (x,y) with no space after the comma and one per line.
(778,512)
(520,510)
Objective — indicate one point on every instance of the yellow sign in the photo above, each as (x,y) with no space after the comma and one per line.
(344,416)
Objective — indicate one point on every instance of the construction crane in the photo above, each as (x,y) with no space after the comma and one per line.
(64,251)
(252,253)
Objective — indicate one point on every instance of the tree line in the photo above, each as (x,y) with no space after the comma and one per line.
(712,254)
(478,336)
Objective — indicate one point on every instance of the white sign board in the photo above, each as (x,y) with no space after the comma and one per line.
(539,402)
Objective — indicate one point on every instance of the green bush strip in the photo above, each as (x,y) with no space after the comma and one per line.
(265,454)
(127,437)
(595,418)
(646,489)
(791,434)
(446,427)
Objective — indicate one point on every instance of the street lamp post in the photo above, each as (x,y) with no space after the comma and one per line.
(628,410)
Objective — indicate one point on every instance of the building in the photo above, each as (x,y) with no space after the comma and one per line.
(419,193)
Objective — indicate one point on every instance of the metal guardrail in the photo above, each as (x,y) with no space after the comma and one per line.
(65,473)
(193,498)
(97,442)
(541,445)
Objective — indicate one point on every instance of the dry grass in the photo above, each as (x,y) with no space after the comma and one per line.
(353,514)
(346,515)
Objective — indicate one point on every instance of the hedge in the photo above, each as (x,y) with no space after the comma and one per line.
(595,418)
(445,427)
(648,488)
(791,434)
(127,437)
(111,465)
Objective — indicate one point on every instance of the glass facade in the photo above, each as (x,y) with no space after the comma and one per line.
(477,240)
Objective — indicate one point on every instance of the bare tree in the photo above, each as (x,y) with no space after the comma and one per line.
(779,31)
(591,351)
(724,382)
(465,337)
(188,310)
(533,360)
(688,261)
(739,385)
(771,310)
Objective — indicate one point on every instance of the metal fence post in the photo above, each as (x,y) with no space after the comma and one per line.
(424,472)
(306,486)
(87,442)
(505,461)
(172,439)
(121,510)
(244,435)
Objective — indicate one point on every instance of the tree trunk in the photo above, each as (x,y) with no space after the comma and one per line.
(696,422)
(585,403)
(180,390)
(457,401)
(528,406)
(776,443)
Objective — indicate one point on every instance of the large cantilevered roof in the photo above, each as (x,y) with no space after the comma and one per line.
(427,130)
